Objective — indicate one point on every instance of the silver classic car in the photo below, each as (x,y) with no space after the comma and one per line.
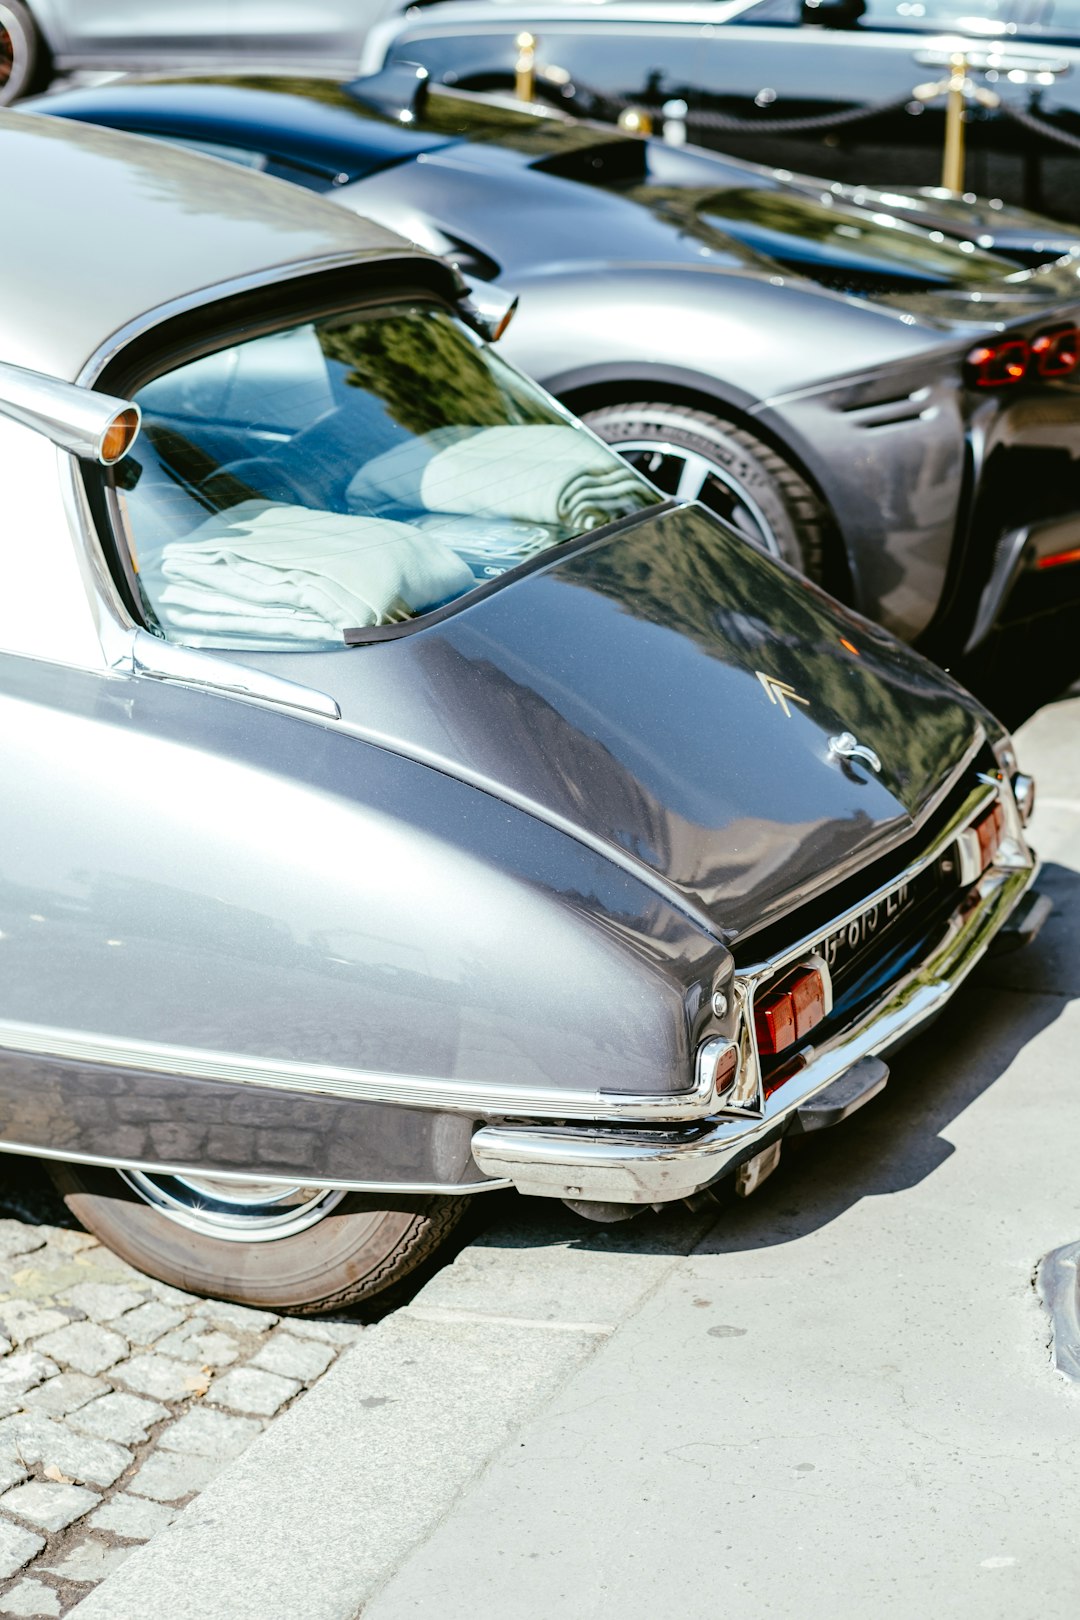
(404,798)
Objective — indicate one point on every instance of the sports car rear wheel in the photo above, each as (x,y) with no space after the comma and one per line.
(23,54)
(697,456)
(287,1248)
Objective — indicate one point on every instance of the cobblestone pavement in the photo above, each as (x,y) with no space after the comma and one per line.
(119,1397)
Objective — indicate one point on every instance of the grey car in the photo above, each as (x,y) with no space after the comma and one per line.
(404,798)
(890,408)
(41,37)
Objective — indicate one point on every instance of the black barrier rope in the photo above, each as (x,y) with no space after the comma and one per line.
(1039,126)
(595,104)
(598,104)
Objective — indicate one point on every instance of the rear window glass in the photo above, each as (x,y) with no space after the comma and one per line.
(349,472)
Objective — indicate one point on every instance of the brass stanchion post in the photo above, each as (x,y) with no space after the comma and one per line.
(952,162)
(525,68)
(958,89)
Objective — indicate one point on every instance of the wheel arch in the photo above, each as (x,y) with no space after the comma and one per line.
(595,387)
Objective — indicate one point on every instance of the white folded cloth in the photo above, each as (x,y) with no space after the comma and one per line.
(535,474)
(267,569)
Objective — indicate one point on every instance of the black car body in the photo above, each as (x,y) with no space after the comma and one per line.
(775,60)
(806,361)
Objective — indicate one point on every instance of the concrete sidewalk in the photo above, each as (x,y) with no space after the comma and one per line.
(835,1398)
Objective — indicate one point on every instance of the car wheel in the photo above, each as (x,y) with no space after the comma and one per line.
(296,1249)
(696,456)
(23,54)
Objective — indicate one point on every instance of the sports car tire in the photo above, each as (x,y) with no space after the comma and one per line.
(698,456)
(23,54)
(359,1247)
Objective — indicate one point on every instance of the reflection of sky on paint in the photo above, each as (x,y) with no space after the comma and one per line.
(151,222)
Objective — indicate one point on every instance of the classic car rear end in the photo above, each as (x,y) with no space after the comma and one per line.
(411,801)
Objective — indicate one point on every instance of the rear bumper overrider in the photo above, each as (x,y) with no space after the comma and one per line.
(620,1164)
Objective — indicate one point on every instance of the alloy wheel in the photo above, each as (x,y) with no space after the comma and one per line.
(688,476)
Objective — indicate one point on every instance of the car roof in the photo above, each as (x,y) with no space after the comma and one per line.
(101,228)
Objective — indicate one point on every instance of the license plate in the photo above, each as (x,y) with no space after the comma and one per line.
(841,947)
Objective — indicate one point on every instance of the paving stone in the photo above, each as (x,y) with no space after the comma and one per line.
(147,1323)
(241,1318)
(305,1359)
(104,1301)
(21,1372)
(135,1518)
(30,1438)
(73,1241)
(206,1433)
(64,1394)
(122,1417)
(17,1547)
(84,1346)
(21,1320)
(18,1238)
(160,1377)
(339,1333)
(91,1560)
(247,1389)
(48,1506)
(30,1598)
(11,1473)
(212,1349)
(169,1476)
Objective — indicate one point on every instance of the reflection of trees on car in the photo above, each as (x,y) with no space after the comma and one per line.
(715,583)
(428,374)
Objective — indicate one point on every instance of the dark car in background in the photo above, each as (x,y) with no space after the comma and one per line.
(894,411)
(770,60)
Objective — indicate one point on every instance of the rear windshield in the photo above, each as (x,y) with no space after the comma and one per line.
(350,472)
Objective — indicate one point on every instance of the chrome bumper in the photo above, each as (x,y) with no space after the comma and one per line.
(617,1164)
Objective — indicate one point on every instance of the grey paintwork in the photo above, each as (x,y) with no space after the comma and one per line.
(506,881)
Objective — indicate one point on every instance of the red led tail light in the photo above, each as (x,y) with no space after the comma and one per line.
(783,1016)
(997,365)
(1057,352)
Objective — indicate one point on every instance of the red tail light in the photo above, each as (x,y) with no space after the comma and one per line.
(997,365)
(785,1015)
(991,830)
(1057,352)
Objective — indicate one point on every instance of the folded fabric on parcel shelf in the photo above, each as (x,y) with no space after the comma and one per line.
(541,474)
(266,569)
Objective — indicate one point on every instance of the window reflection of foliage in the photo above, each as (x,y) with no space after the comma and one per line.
(690,575)
(427,373)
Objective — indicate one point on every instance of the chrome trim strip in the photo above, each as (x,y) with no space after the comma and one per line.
(451,1189)
(356,1085)
(622,1166)
(977,800)
(159,660)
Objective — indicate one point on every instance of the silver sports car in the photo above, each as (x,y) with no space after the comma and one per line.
(403,798)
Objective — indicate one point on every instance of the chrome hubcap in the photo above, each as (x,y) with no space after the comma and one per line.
(688,476)
(236,1211)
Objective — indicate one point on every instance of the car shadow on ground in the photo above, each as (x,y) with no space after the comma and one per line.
(892,1145)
